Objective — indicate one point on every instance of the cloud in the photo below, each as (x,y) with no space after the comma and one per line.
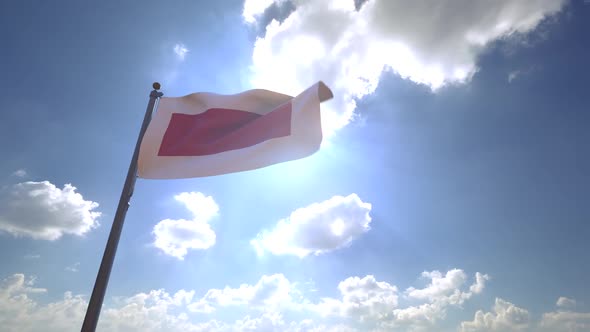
(565,321)
(365,298)
(513,75)
(73,268)
(446,286)
(317,229)
(180,50)
(40,210)
(519,73)
(349,49)
(153,311)
(21,173)
(480,281)
(439,286)
(32,256)
(18,285)
(176,236)
(376,303)
(15,303)
(272,291)
(443,291)
(505,317)
(141,312)
(364,304)
(564,302)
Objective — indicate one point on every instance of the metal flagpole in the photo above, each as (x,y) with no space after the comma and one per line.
(102,278)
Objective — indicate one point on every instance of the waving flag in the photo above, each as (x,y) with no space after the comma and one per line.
(205,134)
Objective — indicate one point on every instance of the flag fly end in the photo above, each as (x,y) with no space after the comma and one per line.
(324,92)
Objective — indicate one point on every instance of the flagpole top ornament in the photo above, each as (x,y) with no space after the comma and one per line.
(156,86)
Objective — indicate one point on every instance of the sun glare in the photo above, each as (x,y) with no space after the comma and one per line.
(337,227)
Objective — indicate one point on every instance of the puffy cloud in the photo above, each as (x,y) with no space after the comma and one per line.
(18,312)
(365,298)
(142,312)
(442,291)
(40,210)
(480,281)
(564,319)
(274,291)
(365,304)
(439,286)
(16,285)
(317,229)
(180,50)
(154,311)
(564,302)
(375,303)
(176,236)
(350,47)
(505,317)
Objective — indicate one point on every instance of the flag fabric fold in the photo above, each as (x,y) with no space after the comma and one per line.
(206,134)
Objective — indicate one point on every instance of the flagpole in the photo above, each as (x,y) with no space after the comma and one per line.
(102,278)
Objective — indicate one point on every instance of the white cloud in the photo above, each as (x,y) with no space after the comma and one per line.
(317,229)
(176,236)
(17,285)
(365,298)
(74,267)
(180,50)
(505,317)
(480,281)
(21,173)
(40,210)
(565,321)
(270,291)
(151,311)
(154,311)
(365,304)
(202,207)
(439,286)
(564,302)
(442,292)
(431,44)
(513,75)
(376,303)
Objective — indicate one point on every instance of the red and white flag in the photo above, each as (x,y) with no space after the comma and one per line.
(205,134)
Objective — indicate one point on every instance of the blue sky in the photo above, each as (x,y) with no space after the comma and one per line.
(455,155)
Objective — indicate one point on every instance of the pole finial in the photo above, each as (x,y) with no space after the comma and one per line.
(156,86)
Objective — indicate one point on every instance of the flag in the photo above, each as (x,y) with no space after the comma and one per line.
(205,134)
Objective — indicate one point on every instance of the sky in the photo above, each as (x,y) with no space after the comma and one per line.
(449,193)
